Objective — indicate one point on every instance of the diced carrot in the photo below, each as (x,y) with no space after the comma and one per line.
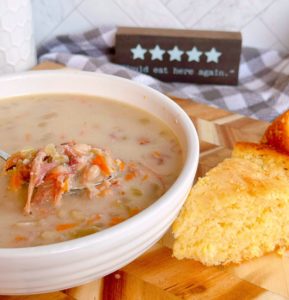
(145,177)
(143,141)
(116,220)
(134,211)
(132,165)
(121,165)
(65,186)
(158,157)
(130,176)
(65,226)
(12,160)
(156,154)
(93,219)
(101,163)
(16,180)
(104,192)
(52,176)
(20,238)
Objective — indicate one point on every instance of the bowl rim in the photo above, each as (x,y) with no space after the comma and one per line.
(189,167)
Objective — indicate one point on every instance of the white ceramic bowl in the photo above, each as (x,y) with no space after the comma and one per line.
(67,264)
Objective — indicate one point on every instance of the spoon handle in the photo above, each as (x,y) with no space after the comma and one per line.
(4,155)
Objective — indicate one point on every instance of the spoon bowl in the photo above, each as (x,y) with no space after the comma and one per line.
(5,156)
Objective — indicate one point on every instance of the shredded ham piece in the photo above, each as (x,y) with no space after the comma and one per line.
(35,178)
(72,154)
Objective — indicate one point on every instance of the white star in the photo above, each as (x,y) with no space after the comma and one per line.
(157,53)
(194,54)
(213,55)
(175,54)
(138,52)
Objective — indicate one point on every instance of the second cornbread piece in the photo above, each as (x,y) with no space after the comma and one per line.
(239,210)
(277,134)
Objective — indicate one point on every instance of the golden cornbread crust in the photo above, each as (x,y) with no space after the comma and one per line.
(277,134)
(239,210)
(263,154)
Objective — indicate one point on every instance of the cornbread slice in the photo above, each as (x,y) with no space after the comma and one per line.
(277,134)
(238,211)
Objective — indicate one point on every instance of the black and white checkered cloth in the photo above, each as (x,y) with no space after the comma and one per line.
(263,90)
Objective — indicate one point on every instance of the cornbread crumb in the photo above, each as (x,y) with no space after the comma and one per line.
(239,210)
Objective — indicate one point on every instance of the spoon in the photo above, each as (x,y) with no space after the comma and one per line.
(4,155)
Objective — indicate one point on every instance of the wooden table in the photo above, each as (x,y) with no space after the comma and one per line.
(156,275)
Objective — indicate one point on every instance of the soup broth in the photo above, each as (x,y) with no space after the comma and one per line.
(130,134)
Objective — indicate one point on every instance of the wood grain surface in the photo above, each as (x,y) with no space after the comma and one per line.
(157,275)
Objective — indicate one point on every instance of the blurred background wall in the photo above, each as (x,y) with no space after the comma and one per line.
(263,23)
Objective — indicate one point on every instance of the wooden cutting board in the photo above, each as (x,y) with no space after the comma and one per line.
(157,275)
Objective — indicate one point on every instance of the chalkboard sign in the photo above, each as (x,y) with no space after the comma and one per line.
(211,57)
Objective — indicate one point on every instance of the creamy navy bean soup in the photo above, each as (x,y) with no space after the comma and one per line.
(78,165)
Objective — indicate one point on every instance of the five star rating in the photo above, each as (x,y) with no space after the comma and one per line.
(176,54)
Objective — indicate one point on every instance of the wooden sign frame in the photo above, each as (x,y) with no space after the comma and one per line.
(181,55)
